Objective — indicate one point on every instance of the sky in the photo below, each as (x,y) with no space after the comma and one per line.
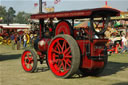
(64,5)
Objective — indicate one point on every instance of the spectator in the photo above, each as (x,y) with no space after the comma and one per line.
(13,41)
(18,42)
(124,42)
(25,40)
(31,40)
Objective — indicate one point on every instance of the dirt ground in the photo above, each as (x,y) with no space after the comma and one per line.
(11,72)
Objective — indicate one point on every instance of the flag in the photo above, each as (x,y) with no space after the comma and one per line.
(35,4)
(1,18)
(44,3)
(106,3)
(50,9)
(56,1)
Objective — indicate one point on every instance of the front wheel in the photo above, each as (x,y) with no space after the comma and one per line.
(29,60)
(63,56)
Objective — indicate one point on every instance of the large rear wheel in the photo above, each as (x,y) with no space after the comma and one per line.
(63,56)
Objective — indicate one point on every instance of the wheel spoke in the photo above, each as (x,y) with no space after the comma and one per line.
(68,56)
(68,62)
(64,66)
(25,59)
(28,55)
(64,45)
(30,67)
(59,63)
(58,48)
(53,50)
(66,50)
(27,66)
(58,43)
(55,56)
(30,59)
(55,61)
(59,68)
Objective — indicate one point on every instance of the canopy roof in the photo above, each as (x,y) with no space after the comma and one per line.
(15,26)
(78,14)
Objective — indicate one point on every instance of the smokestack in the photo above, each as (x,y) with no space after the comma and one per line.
(40,6)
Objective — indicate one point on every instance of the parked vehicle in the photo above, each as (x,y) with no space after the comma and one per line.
(67,49)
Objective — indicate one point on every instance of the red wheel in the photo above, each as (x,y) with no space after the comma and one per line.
(29,61)
(63,56)
(63,27)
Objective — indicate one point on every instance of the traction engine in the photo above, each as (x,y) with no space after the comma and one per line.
(67,49)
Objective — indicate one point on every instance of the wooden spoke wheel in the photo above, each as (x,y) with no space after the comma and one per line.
(63,27)
(29,60)
(63,56)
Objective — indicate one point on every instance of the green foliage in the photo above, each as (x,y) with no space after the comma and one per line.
(22,18)
(8,16)
(3,14)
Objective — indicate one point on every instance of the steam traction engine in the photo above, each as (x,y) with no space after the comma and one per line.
(68,49)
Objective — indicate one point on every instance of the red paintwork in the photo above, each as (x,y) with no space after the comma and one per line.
(76,14)
(50,29)
(62,14)
(56,49)
(11,29)
(44,46)
(88,63)
(40,54)
(62,53)
(63,27)
(27,65)
(114,49)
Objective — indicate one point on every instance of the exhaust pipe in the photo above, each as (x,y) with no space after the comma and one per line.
(40,6)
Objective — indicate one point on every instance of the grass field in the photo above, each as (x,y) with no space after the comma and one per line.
(11,72)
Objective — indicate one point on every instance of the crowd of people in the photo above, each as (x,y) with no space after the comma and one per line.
(22,40)
(118,42)
(26,39)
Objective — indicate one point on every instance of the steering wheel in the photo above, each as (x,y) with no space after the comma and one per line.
(99,26)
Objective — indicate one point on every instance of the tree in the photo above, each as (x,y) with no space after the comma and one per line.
(7,16)
(10,15)
(22,18)
(3,14)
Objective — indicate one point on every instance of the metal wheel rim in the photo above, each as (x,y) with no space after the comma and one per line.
(27,61)
(60,57)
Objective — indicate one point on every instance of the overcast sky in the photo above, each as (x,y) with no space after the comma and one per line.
(28,5)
